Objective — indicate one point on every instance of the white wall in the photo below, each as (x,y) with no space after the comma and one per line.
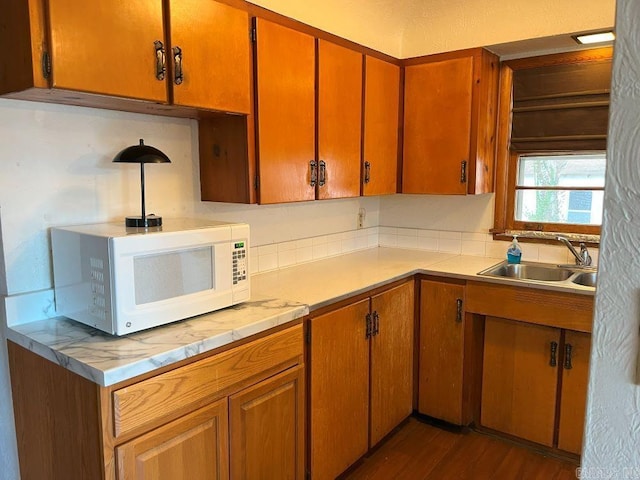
(438,212)
(613,411)
(445,25)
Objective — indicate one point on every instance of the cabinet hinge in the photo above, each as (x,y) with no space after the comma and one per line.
(46,64)
(253,34)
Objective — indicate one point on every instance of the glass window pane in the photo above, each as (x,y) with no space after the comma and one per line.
(582,207)
(580,170)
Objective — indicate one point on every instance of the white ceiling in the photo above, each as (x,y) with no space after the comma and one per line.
(408,28)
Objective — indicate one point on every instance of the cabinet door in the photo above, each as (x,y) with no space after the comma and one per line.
(286,113)
(391,359)
(267,429)
(381,106)
(437,126)
(520,378)
(573,399)
(339,120)
(440,387)
(194,446)
(107,47)
(339,389)
(210,47)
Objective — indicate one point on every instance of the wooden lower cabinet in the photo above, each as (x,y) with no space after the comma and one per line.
(361,377)
(267,429)
(195,446)
(339,390)
(442,336)
(573,396)
(535,382)
(391,360)
(235,414)
(520,379)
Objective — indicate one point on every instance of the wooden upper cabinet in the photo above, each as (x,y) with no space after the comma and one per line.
(381,110)
(450,109)
(108,47)
(210,55)
(339,120)
(285,78)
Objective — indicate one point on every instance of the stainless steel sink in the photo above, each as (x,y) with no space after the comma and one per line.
(588,279)
(541,272)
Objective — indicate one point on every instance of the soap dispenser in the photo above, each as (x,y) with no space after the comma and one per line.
(514,253)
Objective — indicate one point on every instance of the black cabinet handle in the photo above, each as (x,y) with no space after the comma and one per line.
(322,179)
(463,171)
(568,350)
(459,310)
(376,324)
(177,65)
(314,173)
(161,66)
(367,172)
(369,328)
(553,361)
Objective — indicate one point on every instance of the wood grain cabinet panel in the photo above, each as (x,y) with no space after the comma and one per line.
(339,120)
(391,360)
(520,379)
(450,107)
(107,47)
(361,377)
(195,446)
(441,377)
(573,400)
(210,49)
(267,429)
(381,110)
(339,390)
(285,83)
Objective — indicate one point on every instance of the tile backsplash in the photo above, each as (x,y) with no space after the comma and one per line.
(273,256)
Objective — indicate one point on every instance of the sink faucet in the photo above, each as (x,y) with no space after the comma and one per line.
(583,258)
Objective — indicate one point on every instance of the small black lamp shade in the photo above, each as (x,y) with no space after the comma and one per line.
(142,154)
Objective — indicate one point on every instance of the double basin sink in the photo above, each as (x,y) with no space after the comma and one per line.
(541,272)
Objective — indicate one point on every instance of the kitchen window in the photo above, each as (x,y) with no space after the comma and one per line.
(562,190)
(551,145)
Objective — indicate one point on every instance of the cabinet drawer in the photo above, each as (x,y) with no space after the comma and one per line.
(544,307)
(174,393)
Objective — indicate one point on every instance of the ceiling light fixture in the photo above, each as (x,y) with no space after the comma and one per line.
(596,37)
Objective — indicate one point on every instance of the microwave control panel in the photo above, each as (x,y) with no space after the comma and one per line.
(239,262)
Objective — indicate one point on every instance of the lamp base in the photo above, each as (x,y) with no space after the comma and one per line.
(139,222)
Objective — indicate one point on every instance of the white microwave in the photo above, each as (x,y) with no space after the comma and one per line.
(122,280)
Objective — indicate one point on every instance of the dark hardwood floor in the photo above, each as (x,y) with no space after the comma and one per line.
(418,451)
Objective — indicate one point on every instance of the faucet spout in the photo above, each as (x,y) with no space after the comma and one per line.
(582,258)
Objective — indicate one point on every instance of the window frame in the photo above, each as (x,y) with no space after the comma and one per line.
(507,158)
(540,226)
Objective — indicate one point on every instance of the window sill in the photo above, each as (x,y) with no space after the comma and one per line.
(547,237)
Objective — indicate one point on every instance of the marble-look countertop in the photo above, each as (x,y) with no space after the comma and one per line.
(107,359)
(278,297)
